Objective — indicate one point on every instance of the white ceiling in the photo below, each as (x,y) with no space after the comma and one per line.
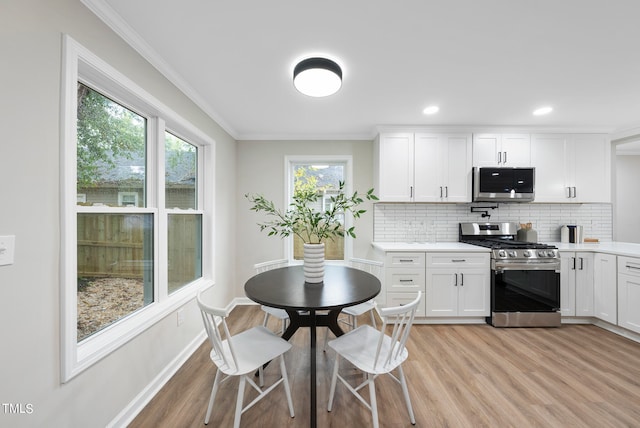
(484,62)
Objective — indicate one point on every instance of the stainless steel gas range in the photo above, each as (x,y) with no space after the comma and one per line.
(525,276)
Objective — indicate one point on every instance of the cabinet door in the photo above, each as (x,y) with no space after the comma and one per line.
(605,287)
(442,293)
(429,183)
(394,165)
(629,293)
(486,148)
(592,154)
(568,283)
(584,285)
(516,150)
(473,292)
(549,157)
(456,161)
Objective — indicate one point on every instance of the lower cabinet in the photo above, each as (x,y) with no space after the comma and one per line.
(457,284)
(576,284)
(629,293)
(605,290)
(404,276)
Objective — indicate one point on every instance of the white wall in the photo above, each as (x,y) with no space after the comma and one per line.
(627,213)
(31,39)
(261,169)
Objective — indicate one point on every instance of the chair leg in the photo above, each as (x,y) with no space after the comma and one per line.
(334,379)
(405,391)
(372,400)
(239,400)
(373,319)
(266,319)
(214,391)
(260,377)
(287,389)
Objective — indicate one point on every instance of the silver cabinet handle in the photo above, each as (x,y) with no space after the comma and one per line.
(406,280)
(574,263)
(458,260)
(456,283)
(461,279)
(575,194)
(411,191)
(406,260)
(505,157)
(440,191)
(499,157)
(446,191)
(581,263)
(632,267)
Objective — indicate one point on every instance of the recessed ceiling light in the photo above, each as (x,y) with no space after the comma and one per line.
(431,110)
(317,77)
(542,111)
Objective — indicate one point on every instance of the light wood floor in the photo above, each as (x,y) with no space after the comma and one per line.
(458,375)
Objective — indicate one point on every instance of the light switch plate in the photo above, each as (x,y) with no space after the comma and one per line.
(7,249)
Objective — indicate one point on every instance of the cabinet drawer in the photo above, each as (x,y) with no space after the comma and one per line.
(629,266)
(408,279)
(457,260)
(396,260)
(399,299)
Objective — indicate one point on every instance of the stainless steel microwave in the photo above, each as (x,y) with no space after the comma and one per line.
(503,184)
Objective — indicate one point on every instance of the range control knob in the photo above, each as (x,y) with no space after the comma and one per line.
(502,253)
(527,253)
(542,253)
(550,253)
(512,254)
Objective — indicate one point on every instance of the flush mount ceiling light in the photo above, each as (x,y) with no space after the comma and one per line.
(542,111)
(431,110)
(317,77)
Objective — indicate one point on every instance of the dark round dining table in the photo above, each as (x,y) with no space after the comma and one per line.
(285,288)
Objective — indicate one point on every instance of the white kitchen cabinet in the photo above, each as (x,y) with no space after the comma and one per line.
(393,167)
(423,167)
(629,293)
(502,150)
(404,277)
(457,285)
(605,287)
(576,283)
(571,167)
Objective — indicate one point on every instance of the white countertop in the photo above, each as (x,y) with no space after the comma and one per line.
(438,246)
(617,248)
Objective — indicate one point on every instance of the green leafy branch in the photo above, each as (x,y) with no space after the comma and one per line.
(302,220)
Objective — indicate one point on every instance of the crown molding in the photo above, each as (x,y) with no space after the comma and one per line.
(114,21)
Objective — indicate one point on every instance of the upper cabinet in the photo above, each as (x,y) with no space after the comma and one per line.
(423,167)
(501,150)
(571,167)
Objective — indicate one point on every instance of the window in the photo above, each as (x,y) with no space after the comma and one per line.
(324,175)
(133,201)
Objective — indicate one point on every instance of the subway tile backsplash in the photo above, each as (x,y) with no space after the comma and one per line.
(439,222)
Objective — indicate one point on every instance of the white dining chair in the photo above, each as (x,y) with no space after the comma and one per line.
(349,315)
(374,353)
(241,355)
(277,313)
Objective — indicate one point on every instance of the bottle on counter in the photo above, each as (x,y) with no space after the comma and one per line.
(564,233)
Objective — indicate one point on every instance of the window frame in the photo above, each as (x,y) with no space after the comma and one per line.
(289,163)
(81,65)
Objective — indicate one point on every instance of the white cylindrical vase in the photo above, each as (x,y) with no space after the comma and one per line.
(314,263)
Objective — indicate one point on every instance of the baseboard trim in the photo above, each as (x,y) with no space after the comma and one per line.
(132,410)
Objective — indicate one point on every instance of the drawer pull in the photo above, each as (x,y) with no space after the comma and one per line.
(406,280)
(458,260)
(406,260)
(632,267)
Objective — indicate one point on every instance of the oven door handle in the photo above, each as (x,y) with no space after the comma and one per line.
(499,267)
